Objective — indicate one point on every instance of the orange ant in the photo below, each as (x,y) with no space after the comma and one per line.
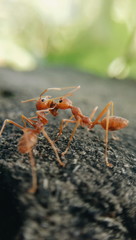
(108,123)
(29,140)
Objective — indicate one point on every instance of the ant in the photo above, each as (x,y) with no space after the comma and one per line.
(29,140)
(108,123)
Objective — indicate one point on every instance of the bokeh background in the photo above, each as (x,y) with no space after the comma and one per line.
(96,36)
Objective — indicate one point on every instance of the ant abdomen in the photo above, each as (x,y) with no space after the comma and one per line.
(27,141)
(115,123)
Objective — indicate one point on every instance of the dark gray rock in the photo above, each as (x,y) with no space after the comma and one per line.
(84,200)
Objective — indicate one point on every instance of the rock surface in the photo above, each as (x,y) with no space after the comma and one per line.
(85,199)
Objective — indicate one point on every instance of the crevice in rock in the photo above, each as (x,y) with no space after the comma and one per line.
(10,209)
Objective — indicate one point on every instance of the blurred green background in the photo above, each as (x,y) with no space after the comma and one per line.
(97,36)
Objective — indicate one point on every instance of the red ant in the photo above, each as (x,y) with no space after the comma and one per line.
(109,123)
(29,140)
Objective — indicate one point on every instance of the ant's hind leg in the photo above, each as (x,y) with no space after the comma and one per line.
(9,121)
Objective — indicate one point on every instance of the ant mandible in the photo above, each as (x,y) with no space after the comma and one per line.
(29,140)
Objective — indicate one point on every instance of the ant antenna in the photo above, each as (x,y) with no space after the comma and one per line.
(29,100)
(58,89)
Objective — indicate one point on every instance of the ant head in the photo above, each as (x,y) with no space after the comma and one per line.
(43,103)
(64,103)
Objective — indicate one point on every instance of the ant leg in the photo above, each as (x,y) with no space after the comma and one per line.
(53,147)
(71,137)
(34,175)
(62,125)
(93,112)
(9,121)
(27,120)
(46,111)
(33,117)
(103,112)
(106,140)
(113,134)
(43,111)
(34,121)
(23,120)
(68,121)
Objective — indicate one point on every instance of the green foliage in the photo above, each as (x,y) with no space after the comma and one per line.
(98,36)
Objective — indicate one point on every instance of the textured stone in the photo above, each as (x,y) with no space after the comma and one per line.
(84,200)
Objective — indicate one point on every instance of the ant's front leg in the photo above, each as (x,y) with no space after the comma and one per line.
(63,124)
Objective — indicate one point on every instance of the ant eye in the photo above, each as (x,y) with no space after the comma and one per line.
(43,100)
(60,101)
